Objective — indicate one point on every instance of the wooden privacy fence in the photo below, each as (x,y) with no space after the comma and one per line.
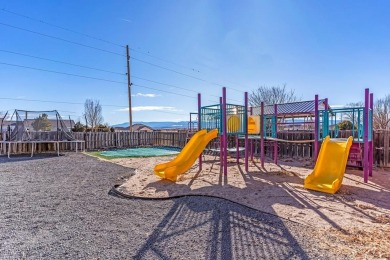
(108,140)
(95,141)
(103,140)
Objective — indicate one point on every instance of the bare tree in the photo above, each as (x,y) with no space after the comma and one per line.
(272,95)
(381,116)
(353,116)
(93,113)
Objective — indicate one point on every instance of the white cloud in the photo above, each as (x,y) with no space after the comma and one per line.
(126,20)
(150,95)
(150,108)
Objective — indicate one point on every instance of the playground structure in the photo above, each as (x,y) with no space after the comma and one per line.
(264,123)
(35,127)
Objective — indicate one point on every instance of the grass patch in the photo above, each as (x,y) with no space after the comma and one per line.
(99,155)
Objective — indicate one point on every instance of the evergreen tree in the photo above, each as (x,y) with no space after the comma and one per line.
(41,123)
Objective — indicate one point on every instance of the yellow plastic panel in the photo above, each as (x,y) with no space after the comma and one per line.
(233,123)
(186,157)
(328,173)
(254,125)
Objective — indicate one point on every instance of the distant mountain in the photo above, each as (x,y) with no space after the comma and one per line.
(158,125)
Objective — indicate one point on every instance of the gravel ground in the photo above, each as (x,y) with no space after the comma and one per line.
(61,208)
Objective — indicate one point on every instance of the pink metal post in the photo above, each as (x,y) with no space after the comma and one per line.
(225,136)
(316,128)
(237,150)
(262,134)
(371,156)
(276,134)
(246,131)
(221,137)
(199,127)
(365,137)
(251,113)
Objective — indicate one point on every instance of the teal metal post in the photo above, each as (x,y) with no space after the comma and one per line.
(316,128)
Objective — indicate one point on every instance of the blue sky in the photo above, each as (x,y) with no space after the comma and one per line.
(331,48)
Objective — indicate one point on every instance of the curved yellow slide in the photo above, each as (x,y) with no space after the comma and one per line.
(186,157)
(328,173)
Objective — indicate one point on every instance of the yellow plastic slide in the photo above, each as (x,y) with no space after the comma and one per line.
(186,157)
(328,173)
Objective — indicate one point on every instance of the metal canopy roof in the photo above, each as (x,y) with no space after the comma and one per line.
(295,109)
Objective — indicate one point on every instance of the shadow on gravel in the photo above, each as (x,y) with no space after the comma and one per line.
(232,231)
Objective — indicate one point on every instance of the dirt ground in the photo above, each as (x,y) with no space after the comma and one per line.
(359,213)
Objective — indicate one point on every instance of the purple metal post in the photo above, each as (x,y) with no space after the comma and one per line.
(371,152)
(276,134)
(365,137)
(221,137)
(224,126)
(246,131)
(199,127)
(326,108)
(262,134)
(316,128)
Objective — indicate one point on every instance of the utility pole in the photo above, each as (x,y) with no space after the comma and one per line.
(129,88)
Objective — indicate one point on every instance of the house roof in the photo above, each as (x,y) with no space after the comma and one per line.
(136,127)
(301,108)
(139,127)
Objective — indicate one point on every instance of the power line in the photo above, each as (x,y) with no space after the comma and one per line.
(97,38)
(63,73)
(82,76)
(137,85)
(161,67)
(97,69)
(82,66)
(88,77)
(174,86)
(62,62)
(107,80)
(183,74)
(164,60)
(164,84)
(62,39)
(60,27)
(107,51)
